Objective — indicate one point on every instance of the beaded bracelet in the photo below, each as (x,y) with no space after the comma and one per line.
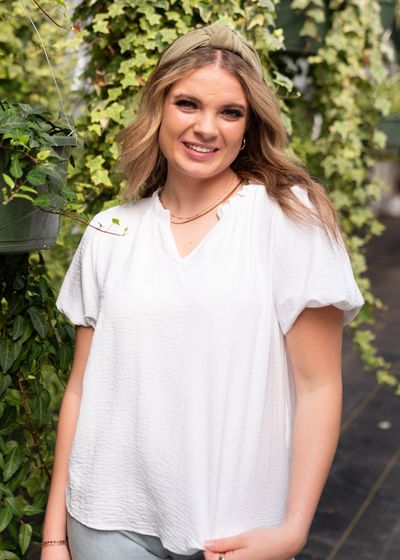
(52,543)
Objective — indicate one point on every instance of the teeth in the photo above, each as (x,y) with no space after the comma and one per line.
(199,149)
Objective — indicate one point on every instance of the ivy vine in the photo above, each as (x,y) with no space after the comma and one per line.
(36,348)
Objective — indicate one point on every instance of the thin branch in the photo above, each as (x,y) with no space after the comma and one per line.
(21,151)
(61,213)
(51,19)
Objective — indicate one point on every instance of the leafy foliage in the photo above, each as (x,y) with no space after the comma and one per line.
(348,76)
(24,74)
(36,348)
(31,160)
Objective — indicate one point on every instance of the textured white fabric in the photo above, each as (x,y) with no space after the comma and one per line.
(188,403)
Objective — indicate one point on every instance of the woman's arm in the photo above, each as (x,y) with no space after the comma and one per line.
(55,523)
(315,348)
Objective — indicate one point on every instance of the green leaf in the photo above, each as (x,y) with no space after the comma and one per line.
(26,196)
(61,3)
(38,321)
(5,518)
(18,326)
(43,288)
(14,460)
(28,330)
(39,409)
(13,506)
(16,169)
(19,477)
(12,529)
(40,499)
(4,489)
(17,304)
(16,348)
(27,189)
(44,154)
(32,510)
(283,81)
(18,282)
(100,177)
(65,356)
(36,177)
(42,200)
(8,555)
(8,420)
(100,23)
(384,376)
(70,330)
(6,354)
(10,399)
(25,534)
(115,9)
(8,180)
(5,381)
(12,121)
(205,9)
(95,163)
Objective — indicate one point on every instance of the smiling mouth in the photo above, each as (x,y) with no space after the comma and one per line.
(199,148)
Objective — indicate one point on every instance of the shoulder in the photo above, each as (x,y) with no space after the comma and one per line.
(261,192)
(121,221)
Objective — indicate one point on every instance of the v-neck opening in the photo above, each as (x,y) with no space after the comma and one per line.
(223,210)
(178,256)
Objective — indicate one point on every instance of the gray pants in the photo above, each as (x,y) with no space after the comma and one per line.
(86,543)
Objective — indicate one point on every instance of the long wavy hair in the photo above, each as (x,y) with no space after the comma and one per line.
(263,160)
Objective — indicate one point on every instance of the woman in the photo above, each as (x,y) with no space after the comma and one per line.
(209,404)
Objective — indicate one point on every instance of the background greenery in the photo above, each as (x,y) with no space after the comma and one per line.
(114,45)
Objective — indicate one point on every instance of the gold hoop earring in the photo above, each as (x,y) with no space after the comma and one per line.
(244,144)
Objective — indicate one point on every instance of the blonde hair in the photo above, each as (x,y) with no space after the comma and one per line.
(264,159)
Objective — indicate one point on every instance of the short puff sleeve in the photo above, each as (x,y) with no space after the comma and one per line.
(79,295)
(309,271)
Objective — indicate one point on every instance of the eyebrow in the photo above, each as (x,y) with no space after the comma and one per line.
(196,100)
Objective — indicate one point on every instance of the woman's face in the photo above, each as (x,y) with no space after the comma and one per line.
(203,124)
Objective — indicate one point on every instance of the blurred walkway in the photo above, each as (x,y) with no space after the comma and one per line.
(358,517)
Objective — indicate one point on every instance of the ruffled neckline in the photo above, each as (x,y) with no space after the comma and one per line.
(223,209)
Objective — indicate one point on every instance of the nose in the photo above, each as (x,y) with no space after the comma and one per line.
(206,125)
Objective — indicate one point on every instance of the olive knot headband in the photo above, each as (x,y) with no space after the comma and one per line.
(217,36)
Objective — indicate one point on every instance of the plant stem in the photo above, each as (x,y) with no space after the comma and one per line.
(50,18)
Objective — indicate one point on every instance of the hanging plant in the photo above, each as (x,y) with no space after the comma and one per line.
(34,155)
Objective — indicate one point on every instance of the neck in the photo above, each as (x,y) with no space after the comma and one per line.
(186,196)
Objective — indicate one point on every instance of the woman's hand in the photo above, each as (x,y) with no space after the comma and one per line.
(280,543)
(59,552)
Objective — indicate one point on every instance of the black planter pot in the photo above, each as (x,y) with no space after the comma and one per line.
(24,227)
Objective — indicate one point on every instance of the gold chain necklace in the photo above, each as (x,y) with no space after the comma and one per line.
(203,213)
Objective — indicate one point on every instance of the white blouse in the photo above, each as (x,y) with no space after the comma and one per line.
(185,425)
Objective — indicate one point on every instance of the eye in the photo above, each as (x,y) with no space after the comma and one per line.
(186,104)
(234,113)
